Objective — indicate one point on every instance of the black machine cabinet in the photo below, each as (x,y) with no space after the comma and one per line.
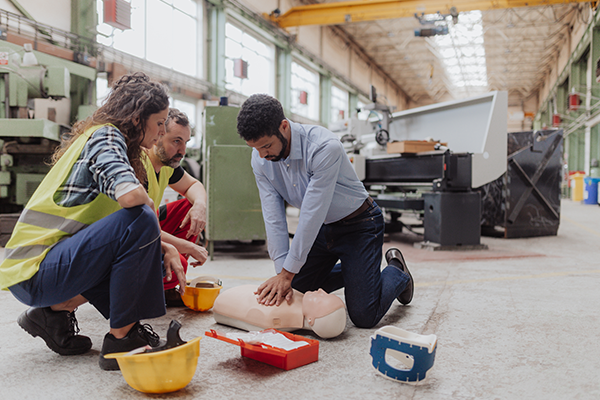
(452,218)
(525,201)
(451,210)
(448,171)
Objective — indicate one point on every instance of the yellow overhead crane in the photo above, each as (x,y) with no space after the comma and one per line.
(336,13)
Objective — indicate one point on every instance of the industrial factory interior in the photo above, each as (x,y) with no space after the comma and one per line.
(356,199)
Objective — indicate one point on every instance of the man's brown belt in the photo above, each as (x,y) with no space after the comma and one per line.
(368,203)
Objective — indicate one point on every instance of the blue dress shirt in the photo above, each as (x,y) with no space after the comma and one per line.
(317,178)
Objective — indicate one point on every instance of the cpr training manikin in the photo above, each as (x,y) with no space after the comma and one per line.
(323,313)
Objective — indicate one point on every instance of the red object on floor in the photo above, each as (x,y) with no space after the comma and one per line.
(279,358)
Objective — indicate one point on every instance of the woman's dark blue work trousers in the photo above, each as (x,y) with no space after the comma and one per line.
(115,263)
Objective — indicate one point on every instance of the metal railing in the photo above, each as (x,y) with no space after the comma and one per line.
(38,32)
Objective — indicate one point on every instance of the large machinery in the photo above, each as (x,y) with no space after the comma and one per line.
(440,185)
(35,111)
(525,201)
(476,179)
(233,211)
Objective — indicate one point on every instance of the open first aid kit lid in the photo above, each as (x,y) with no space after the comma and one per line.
(270,346)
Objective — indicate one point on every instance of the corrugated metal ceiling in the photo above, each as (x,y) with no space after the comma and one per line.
(507,49)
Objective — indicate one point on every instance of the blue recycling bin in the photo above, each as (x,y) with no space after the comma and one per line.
(590,190)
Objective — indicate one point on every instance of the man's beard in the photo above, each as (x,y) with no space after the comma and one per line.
(172,162)
(284,144)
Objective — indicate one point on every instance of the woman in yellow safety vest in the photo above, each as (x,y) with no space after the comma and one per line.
(90,233)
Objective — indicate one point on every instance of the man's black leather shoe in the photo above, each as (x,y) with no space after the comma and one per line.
(138,336)
(59,330)
(406,296)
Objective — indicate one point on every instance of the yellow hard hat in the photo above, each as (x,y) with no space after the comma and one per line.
(162,371)
(200,293)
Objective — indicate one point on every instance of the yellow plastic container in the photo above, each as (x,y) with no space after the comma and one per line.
(201,293)
(161,372)
(577,187)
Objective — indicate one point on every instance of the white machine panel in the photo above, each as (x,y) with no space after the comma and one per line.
(477,125)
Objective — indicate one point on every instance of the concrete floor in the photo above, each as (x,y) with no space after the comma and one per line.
(517,321)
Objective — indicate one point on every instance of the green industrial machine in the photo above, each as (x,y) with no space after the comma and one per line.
(26,143)
(28,139)
(233,210)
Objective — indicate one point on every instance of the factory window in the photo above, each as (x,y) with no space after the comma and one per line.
(164,32)
(103,90)
(189,109)
(305,92)
(339,104)
(249,62)
(186,107)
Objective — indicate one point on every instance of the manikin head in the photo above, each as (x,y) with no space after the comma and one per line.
(325,313)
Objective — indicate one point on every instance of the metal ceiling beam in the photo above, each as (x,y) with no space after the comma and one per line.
(490,37)
(359,10)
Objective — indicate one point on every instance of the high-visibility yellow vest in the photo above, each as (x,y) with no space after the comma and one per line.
(43,223)
(156,187)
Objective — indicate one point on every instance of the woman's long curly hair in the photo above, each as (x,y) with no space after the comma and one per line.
(133,98)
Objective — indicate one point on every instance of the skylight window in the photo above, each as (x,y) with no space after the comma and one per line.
(463,55)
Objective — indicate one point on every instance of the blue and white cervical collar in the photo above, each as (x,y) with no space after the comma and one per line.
(413,351)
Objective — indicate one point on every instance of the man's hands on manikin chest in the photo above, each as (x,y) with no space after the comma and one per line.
(276,289)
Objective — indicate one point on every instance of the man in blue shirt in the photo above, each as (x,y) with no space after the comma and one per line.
(307,167)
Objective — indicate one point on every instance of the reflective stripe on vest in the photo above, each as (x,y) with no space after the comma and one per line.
(50,221)
(43,223)
(42,220)
(25,252)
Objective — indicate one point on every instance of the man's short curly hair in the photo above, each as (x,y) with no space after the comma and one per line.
(260,116)
(178,117)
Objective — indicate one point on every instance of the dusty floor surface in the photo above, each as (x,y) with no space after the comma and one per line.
(516,321)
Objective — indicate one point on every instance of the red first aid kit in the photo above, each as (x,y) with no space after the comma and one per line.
(284,359)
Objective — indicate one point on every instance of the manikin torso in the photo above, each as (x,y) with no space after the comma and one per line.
(323,313)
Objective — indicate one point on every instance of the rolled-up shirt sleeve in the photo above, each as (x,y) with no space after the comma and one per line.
(125,187)
(109,164)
